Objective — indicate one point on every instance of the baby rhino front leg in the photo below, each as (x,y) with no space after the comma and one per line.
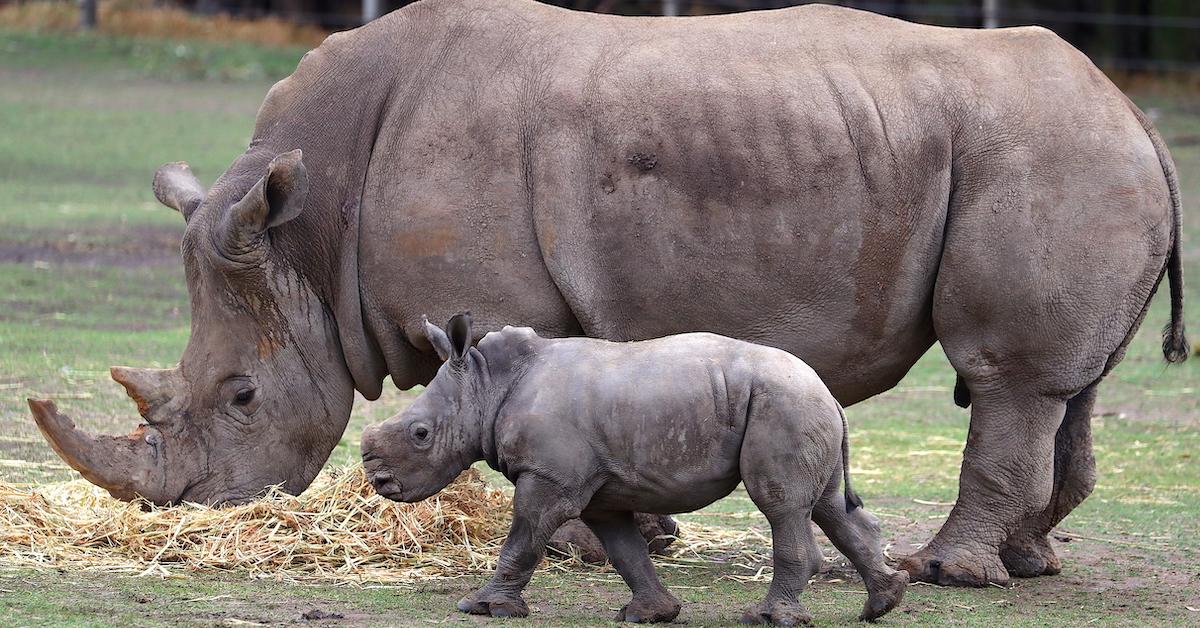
(618,532)
(539,508)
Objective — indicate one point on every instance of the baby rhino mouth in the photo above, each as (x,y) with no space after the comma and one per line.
(384,481)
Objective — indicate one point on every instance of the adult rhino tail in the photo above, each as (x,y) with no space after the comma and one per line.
(1175,345)
(852,499)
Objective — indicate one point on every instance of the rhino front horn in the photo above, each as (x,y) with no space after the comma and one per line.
(126,466)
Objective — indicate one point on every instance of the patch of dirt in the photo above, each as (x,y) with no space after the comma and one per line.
(122,247)
(1112,575)
(1153,409)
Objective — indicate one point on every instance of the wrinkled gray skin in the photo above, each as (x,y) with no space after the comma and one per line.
(845,186)
(600,430)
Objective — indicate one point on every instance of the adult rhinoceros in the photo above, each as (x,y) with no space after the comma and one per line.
(849,187)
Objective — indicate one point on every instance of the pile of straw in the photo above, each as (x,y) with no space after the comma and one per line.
(338,531)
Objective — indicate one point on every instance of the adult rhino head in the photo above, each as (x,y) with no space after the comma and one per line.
(262,392)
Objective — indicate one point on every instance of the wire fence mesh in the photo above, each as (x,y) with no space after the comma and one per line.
(1126,35)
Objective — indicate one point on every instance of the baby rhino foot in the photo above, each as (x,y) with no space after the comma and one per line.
(649,610)
(780,613)
(884,595)
(494,604)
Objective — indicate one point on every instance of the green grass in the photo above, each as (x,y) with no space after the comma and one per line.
(130,57)
(89,277)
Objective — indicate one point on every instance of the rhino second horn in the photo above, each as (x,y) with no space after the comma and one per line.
(149,388)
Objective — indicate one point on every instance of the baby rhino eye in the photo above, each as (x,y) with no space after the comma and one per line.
(244,397)
(421,433)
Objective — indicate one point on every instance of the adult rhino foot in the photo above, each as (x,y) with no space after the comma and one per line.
(658,530)
(885,595)
(493,604)
(650,610)
(1029,556)
(955,568)
(574,536)
(781,613)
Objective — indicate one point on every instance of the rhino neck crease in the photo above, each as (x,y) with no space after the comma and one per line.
(363,357)
(499,363)
(486,393)
(326,109)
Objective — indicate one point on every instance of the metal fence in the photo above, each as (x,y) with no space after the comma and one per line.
(1130,35)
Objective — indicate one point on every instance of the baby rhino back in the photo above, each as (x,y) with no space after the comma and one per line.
(663,422)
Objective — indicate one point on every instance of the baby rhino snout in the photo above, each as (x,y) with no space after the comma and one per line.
(383,480)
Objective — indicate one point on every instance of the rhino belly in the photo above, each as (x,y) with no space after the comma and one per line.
(665,494)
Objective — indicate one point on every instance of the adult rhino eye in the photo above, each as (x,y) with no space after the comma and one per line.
(421,433)
(244,397)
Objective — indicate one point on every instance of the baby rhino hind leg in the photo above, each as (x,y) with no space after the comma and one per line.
(785,465)
(856,535)
(794,553)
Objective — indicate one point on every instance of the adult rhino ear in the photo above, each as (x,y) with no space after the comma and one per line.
(459,329)
(437,338)
(176,187)
(275,199)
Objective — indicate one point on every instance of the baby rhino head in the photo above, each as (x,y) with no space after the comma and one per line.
(416,453)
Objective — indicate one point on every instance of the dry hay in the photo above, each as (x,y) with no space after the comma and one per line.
(338,531)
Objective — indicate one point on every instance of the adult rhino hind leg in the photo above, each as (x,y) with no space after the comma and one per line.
(1006,477)
(1054,245)
(1027,552)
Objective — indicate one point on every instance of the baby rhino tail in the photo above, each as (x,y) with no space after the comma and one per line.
(852,499)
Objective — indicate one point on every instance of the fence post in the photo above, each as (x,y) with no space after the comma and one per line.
(991,13)
(87,14)
(370,10)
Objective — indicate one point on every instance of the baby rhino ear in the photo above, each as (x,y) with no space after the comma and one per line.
(437,338)
(459,329)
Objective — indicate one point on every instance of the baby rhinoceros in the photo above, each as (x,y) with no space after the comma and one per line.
(599,430)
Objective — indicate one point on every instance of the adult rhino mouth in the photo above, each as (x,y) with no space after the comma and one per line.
(128,466)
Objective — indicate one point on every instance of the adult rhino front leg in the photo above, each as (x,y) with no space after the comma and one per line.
(575,537)
(1006,477)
